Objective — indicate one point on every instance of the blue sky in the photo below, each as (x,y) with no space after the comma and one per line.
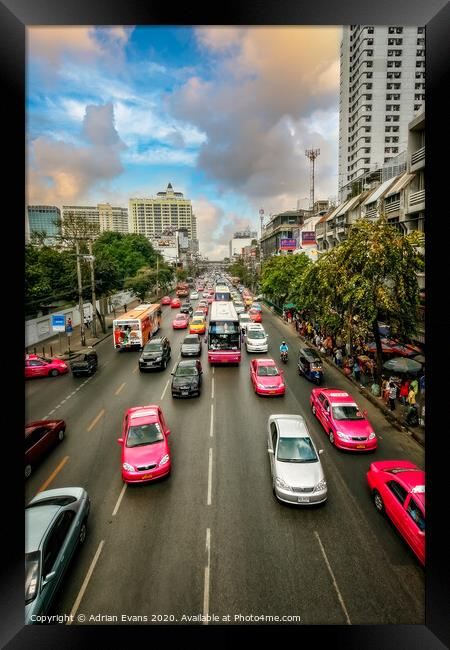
(223,113)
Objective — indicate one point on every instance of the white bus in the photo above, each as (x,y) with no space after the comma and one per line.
(224,334)
(222,292)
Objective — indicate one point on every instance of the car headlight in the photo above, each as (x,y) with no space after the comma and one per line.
(343,436)
(372,435)
(261,386)
(164,460)
(321,485)
(158,359)
(281,483)
(128,468)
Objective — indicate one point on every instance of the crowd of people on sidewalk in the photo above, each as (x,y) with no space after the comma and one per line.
(359,363)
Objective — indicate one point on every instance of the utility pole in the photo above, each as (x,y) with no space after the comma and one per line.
(312,155)
(80,295)
(157,276)
(94,301)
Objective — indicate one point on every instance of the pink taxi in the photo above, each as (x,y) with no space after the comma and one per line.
(145,450)
(266,378)
(345,424)
(398,490)
(166,300)
(180,322)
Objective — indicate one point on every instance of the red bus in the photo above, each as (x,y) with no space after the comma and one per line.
(224,334)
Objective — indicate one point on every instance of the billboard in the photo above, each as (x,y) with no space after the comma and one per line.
(308,237)
(288,244)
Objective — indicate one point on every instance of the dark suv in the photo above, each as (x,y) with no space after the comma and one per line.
(155,354)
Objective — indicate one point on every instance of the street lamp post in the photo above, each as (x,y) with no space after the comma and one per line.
(80,295)
(94,300)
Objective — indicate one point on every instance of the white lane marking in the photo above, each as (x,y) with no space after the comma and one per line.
(119,500)
(165,388)
(213,370)
(341,600)
(211,434)
(212,388)
(120,388)
(210,476)
(207,573)
(85,583)
(65,400)
(51,412)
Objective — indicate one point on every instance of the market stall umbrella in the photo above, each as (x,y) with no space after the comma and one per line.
(385,348)
(289,305)
(420,358)
(402,365)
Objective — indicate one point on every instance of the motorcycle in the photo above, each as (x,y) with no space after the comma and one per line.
(284,357)
(412,416)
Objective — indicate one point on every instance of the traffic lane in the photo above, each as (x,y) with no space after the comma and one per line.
(258,559)
(352,467)
(153,558)
(340,507)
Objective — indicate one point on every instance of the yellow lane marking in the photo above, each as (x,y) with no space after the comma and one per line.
(136,369)
(94,422)
(45,485)
(119,389)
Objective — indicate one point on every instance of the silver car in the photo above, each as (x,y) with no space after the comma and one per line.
(297,473)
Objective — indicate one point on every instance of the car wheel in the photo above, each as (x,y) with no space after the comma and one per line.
(27,471)
(378,501)
(61,435)
(313,409)
(331,435)
(53,373)
(83,530)
(140,369)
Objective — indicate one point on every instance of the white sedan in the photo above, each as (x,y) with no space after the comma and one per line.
(194,295)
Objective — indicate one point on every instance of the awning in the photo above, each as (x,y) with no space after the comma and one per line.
(401,182)
(348,205)
(333,214)
(378,192)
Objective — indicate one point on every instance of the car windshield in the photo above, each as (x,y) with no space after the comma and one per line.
(267,371)
(186,371)
(153,347)
(144,434)
(296,450)
(180,317)
(347,412)
(189,340)
(197,321)
(31,576)
(244,319)
(255,334)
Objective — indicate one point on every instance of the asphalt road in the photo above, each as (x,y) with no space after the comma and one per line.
(212,539)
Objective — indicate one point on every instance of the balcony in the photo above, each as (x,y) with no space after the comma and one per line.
(418,159)
(393,206)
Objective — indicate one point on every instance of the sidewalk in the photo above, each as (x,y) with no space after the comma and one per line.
(396,418)
(52,347)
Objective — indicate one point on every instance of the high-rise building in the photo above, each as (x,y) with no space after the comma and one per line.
(103,215)
(111,218)
(43,218)
(152,216)
(382,88)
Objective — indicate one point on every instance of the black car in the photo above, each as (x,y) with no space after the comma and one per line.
(191,346)
(187,378)
(84,364)
(186,308)
(155,354)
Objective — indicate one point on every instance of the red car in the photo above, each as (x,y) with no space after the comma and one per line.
(203,308)
(255,315)
(175,303)
(167,300)
(344,423)
(398,490)
(145,450)
(210,299)
(40,437)
(266,378)
(180,322)
(36,366)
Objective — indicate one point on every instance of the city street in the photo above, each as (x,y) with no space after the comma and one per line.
(211,538)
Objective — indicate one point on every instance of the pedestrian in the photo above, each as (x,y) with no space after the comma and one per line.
(415,385)
(384,389)
(375,389)
(392,394)
(338,358)
(422,383)
(318,340)
(357,371)
(411,396)
(242,335)
(404,390)
(289,316)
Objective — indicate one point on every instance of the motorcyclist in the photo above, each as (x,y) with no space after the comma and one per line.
(284,348)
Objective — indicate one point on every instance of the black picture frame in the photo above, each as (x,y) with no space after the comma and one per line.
(15,16)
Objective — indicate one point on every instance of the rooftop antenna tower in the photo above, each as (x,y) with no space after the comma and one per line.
(312,155)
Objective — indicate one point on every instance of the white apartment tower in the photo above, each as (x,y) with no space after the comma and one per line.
(382,88)
(169,210)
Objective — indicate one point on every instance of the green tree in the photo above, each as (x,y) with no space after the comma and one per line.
(371,276)
(282,277)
